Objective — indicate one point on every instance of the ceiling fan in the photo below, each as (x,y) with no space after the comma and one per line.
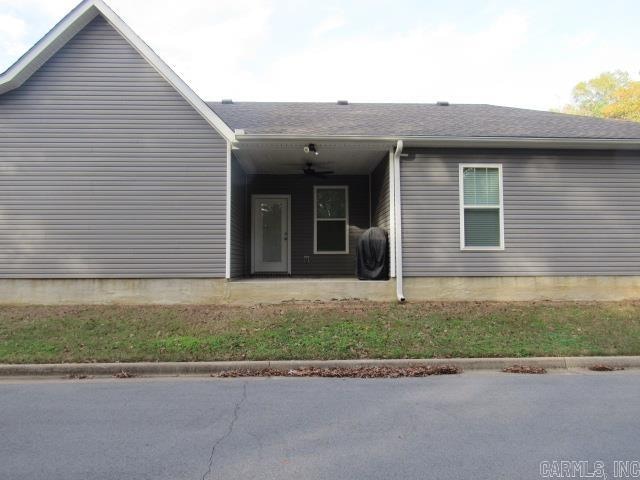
(309,170)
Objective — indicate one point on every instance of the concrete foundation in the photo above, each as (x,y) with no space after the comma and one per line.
(107,291)
(187,291)
(256,291)
(522,288)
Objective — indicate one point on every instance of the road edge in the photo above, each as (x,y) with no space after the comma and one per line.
(206,368)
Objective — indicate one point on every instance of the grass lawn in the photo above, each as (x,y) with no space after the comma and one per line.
(317,331)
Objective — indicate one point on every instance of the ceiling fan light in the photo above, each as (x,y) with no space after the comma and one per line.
(311,148)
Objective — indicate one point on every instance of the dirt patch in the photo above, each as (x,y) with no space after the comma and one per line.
(599,367)
(124,374)
(357,372)
(524,369)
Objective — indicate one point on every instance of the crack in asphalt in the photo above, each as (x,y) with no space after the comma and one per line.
(229,431)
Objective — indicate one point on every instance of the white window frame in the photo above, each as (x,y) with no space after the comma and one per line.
(316,219)
(464,207)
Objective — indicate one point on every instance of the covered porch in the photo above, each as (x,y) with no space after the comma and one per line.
(297,209)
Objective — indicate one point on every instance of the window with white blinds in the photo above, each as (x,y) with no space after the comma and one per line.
(481,216)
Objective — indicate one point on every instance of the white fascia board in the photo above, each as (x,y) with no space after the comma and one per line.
(452,142)
(75,21)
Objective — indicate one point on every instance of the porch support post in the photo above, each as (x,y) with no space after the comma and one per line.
(227,250)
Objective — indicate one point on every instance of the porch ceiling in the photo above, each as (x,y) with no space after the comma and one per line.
(290,158)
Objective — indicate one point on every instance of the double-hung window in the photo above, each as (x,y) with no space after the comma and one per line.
(331,219)
(481,215)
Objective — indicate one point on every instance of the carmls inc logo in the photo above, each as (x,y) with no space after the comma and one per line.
(587,469)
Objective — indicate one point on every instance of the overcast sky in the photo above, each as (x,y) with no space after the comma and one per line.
(517,53)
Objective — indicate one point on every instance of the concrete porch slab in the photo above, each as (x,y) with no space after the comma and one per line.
(276,290)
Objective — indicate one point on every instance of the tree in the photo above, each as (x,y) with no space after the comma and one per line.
(626,103)
(609,95)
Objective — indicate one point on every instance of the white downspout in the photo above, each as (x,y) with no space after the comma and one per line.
(392,214)
(398,220)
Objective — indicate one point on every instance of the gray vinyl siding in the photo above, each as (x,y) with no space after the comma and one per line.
(300,187)
(239,216)
(106,171)
(380,195)
(565,213)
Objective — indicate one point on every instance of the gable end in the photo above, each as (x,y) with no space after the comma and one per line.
(74,22)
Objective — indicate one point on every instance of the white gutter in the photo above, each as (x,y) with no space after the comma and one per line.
(449,142)
(398,220)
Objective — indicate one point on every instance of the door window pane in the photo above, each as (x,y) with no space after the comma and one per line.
(271,231)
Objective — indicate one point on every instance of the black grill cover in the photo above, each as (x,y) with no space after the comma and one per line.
(371,255)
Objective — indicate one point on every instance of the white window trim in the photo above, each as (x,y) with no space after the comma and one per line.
(316,219)
(461,168)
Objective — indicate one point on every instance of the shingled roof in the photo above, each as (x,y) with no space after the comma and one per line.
(416,120)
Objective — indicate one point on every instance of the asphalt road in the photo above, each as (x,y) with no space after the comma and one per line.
(480,426)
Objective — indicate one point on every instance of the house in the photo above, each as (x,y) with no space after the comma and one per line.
(120,185)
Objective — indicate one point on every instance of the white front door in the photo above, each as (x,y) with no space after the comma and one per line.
(270,233)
